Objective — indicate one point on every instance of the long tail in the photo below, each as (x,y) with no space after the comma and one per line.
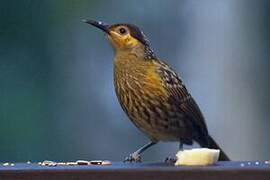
(213,145)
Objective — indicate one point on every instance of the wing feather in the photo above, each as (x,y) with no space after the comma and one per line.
(180,97)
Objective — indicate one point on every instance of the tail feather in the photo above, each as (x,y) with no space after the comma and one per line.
(213,145)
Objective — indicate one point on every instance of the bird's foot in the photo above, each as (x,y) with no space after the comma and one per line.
(134,157)
(170,160)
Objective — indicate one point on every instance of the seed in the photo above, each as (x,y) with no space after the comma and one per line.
(82,162)
(6,164)
(61,163)
(28,162)
(71,163)
(106,162)
(242,164)
(48,163)
(96,162)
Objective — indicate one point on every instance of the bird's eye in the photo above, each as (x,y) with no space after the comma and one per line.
(122,30)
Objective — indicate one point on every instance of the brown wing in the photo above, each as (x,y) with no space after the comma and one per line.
(180,97)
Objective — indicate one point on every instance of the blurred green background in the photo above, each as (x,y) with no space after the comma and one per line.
(57,99)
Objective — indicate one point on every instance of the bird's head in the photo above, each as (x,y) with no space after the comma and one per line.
(123,37)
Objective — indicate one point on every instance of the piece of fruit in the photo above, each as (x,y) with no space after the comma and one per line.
(197,157)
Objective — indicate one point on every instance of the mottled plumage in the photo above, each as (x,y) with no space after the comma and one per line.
(156,101)
(152,94)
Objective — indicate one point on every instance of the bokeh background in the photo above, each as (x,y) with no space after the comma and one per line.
(57,99)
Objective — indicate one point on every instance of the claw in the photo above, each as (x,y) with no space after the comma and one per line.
(170,160)
(134,157)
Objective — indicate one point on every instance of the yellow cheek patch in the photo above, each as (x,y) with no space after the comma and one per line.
(115,38)
(123,41)
(130,41)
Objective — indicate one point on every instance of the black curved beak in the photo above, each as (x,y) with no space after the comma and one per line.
(103,26)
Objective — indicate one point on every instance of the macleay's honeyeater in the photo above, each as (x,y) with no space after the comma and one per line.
(152,95)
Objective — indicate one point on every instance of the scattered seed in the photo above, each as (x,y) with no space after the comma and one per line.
(249,163)
(242,164)
(12,164)
(257,163)
(71,163)
(28,162)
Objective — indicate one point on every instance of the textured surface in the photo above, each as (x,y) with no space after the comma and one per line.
(223,170)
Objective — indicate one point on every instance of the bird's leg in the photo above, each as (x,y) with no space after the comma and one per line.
(172,159)
(135,156)
(181,146)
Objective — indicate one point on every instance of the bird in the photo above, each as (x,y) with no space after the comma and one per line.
(152,94)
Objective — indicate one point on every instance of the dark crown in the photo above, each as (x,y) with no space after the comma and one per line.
(135,32)
(139,35)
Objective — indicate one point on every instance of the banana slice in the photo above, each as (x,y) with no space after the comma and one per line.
(197,157)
